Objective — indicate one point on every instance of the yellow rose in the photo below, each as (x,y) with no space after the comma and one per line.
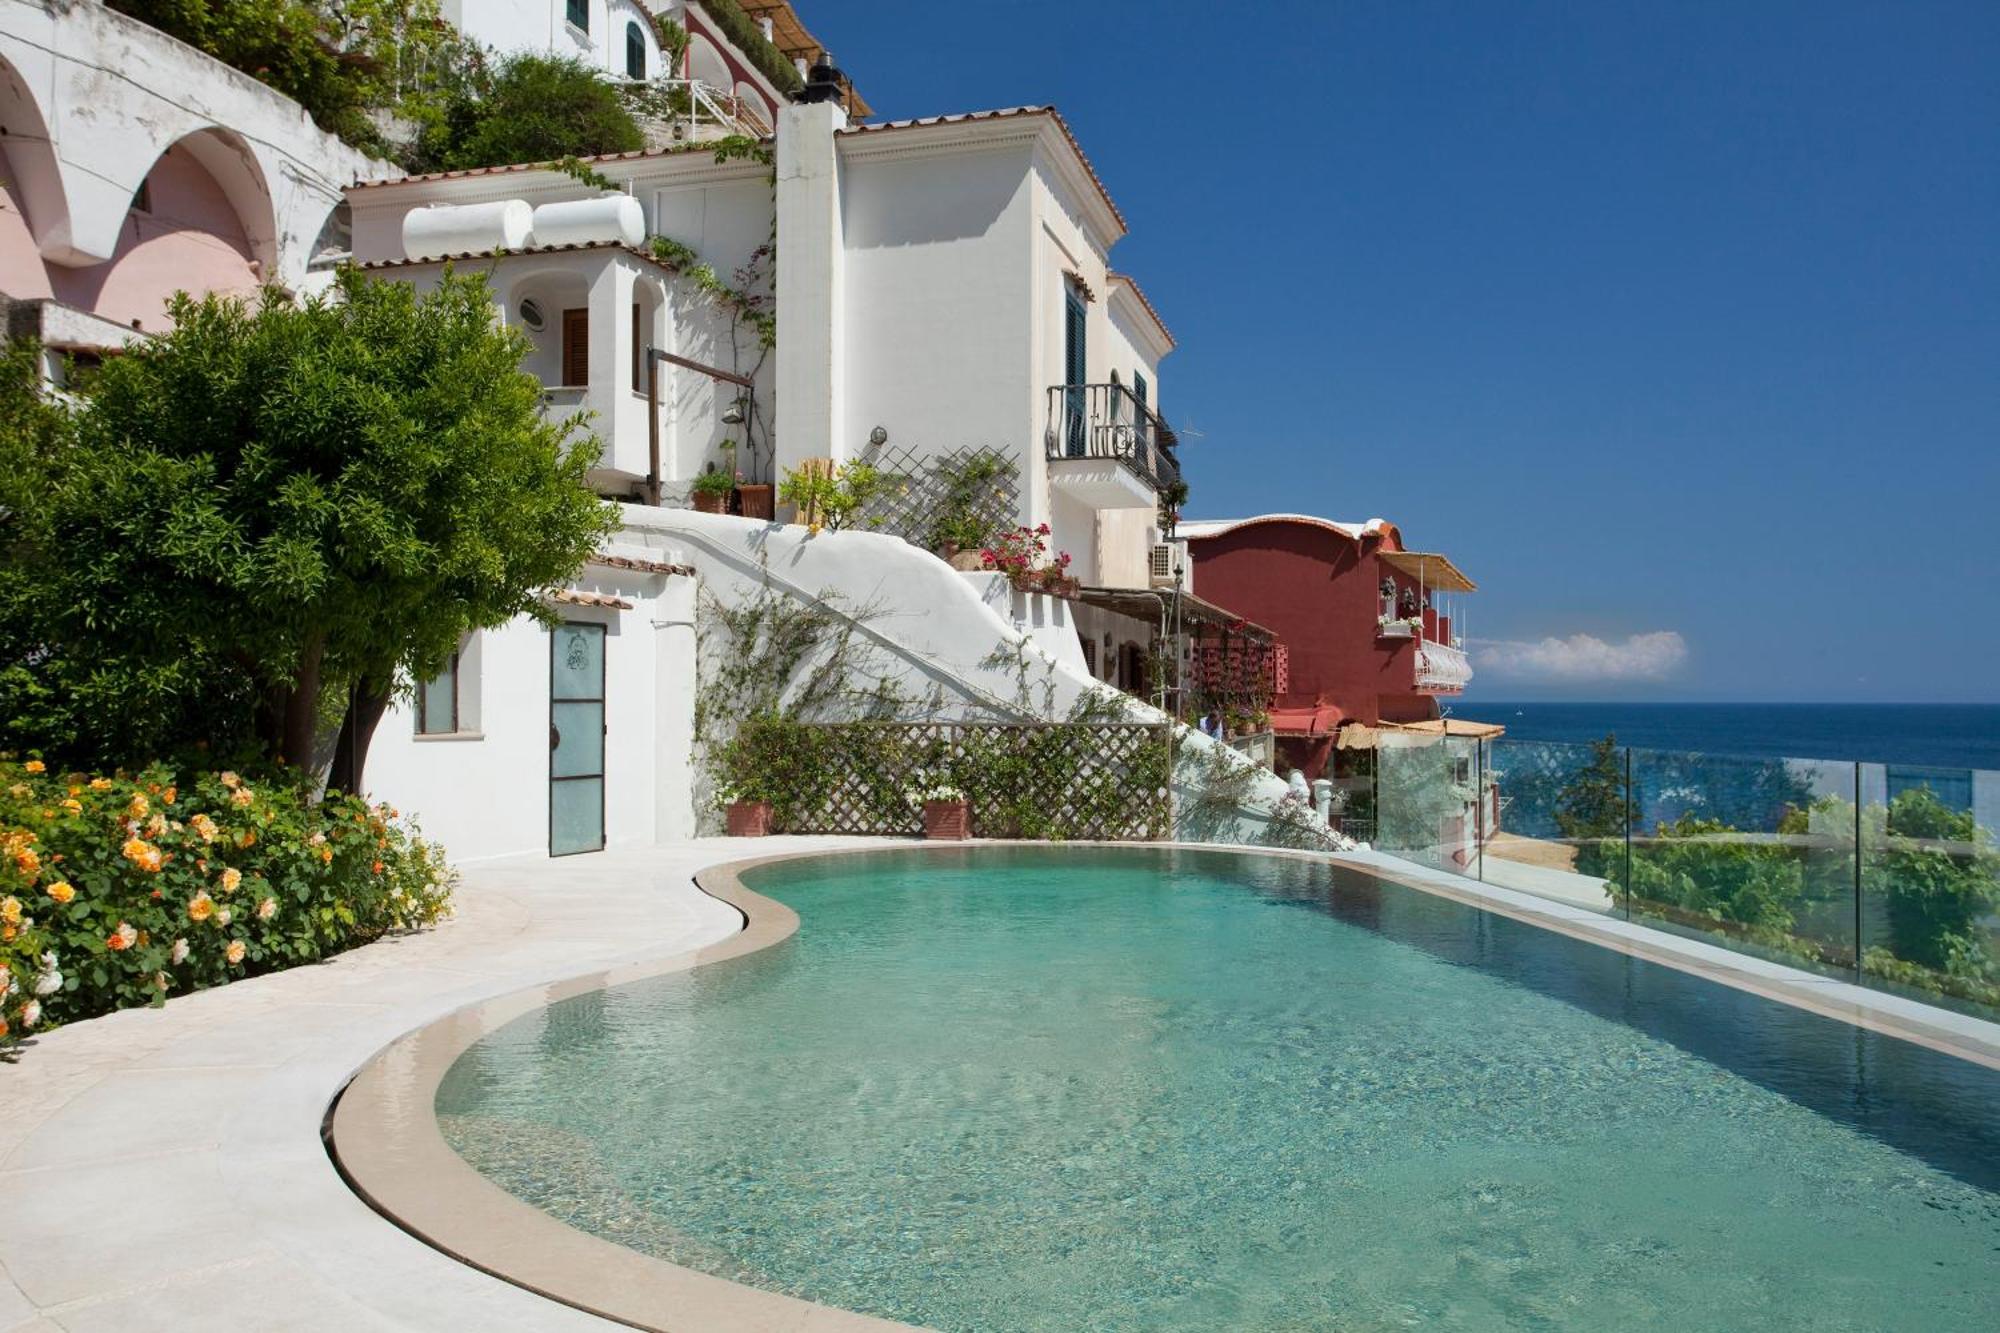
(142,854)
(100,784)
(73,805)
(61,891)
(231,877)
(139,805)
(241,797)
(200,907)
(204,826)
(10,911)
(234,953)
(34,766)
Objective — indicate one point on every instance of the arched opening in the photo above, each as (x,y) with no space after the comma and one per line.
(31,196)
(199,222)
(545,306)
(635,51)
(705,62)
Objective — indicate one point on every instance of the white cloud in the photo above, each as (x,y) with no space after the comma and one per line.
(1584,657)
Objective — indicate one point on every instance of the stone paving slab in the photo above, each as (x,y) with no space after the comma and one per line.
(163,1169)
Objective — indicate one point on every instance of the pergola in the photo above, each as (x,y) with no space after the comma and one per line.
(794,41)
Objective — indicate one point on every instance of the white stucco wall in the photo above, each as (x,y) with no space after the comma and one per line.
(542,27)
(485,792)
(113,94)
(938,302)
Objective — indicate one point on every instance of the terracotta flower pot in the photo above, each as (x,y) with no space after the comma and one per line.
(756,501)
(711,502)
(749,819)
(950,820)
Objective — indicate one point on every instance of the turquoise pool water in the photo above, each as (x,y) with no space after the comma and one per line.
(1139,1089)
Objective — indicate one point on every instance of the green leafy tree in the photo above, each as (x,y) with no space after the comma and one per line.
(528,109)
(1591,807)
(264,522)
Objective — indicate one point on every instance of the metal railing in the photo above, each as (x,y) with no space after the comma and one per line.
(694,110)
(1442,667)
(1106,421)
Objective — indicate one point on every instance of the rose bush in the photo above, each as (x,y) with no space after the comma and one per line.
(122,890)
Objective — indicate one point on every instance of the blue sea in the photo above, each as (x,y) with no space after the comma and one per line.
(1955,736)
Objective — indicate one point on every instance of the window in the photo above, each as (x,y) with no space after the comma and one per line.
(638,348)
(1075,372)
(576,347)
(437,702)
(635,52)
(579,14)
(1139,391)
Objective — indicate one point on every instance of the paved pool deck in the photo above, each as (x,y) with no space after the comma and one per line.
(164,1169)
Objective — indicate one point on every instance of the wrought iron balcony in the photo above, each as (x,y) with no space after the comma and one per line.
(1106,422)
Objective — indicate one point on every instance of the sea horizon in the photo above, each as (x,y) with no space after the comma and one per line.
(1933,735)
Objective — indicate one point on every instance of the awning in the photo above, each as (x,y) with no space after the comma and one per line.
(1394,735)
(1430,569)
(1145,604)
(1316,721)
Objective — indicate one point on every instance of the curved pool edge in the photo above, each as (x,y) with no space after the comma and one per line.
(385,1138)
(386,1142)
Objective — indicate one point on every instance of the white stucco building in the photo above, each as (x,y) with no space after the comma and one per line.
(133,166)
(940,284)
(736,84)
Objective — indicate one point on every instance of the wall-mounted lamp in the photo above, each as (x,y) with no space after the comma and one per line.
(733,414)
(878,437)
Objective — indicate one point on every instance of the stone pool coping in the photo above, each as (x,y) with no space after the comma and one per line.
(394,1153)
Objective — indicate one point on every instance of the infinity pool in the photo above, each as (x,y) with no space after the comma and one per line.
(1073,1089)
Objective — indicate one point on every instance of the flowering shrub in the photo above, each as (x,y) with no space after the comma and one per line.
(1023,556)
(117,891)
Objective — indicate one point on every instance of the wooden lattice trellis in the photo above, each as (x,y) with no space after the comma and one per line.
(1048,780)
(921,486)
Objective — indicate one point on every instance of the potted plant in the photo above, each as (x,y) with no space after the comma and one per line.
(710,491)
(947,814)
(957,539)
(748,813)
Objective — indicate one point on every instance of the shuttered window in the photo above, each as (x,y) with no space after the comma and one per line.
(576,347)
(635,52)
(638,348)
(579,13)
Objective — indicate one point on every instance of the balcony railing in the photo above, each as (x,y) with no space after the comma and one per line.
(1105,421)
(1442,668)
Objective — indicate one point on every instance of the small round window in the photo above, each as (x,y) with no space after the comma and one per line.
(531,315)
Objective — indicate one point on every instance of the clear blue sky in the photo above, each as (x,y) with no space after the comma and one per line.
(1660,318)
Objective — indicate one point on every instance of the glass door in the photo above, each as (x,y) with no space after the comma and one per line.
(576,738)
(1075,371)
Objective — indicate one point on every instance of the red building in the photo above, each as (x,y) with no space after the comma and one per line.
(1365,625)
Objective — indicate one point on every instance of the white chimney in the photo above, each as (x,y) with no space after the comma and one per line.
(811,267)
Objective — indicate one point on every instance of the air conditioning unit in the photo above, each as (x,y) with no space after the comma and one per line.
(1168,567)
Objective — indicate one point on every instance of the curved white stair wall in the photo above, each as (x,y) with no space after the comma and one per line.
(935,633)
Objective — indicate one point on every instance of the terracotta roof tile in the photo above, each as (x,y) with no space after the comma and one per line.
(634,155)
(1140,292)
(574,247)
(573,597)
(640,566)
